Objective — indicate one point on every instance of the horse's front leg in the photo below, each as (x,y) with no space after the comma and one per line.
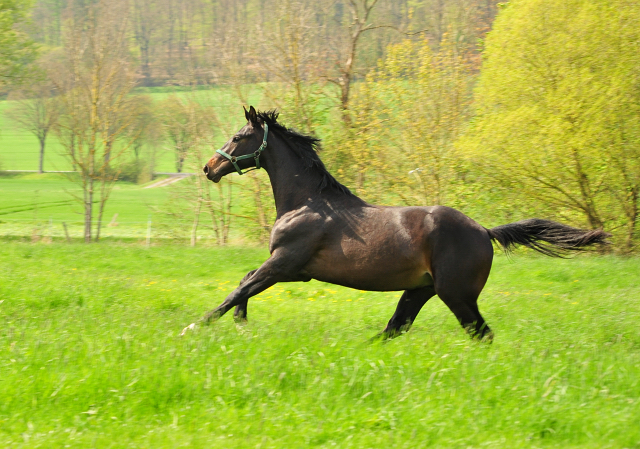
(282,266)
(256,284)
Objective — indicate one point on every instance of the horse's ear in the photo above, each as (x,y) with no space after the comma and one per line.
(251,115)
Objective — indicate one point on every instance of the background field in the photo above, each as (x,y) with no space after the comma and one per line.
(38,204)
(41,203)
(89,349)
(19,150)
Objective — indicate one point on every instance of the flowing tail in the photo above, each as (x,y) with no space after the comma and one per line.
(546,237)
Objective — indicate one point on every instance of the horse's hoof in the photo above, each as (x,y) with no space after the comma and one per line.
(488,337)
(190,327)
(379,338)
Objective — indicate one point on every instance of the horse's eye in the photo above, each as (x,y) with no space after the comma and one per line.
(235,139)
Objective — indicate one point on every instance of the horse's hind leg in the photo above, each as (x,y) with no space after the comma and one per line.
(240,313)
(465,307)
(460,274)
(407,310)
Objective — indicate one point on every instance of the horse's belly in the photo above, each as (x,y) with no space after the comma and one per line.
(365,268)
(378,280)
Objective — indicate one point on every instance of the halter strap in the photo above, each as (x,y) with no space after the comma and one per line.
(256,155)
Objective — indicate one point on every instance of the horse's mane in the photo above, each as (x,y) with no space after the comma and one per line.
(307,148)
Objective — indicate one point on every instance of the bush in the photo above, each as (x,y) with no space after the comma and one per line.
(135,171)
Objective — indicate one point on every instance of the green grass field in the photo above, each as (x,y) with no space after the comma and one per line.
(43,202)
(90,356)
(40,203)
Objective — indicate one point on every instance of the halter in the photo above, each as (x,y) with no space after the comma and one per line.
(256,155)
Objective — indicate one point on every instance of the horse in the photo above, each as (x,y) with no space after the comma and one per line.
(323,231)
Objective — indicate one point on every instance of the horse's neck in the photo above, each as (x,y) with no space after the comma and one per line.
(293,184)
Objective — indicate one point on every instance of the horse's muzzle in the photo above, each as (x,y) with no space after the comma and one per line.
(208,171)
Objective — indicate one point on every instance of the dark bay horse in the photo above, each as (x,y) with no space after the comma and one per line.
(324,232)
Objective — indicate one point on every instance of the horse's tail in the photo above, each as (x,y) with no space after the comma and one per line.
(546,237)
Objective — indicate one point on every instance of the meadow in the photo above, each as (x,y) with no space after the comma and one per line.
(35,203)
(90,356)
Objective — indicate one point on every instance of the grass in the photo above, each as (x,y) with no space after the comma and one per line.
(90,357)
(39,204)
(45,201)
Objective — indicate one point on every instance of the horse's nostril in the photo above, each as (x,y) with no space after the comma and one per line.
(206,169)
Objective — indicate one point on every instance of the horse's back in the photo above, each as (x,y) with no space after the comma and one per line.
(389,248)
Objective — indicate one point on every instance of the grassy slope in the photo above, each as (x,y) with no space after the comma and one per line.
(89,356)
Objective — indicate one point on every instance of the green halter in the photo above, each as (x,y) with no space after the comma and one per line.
(256,155)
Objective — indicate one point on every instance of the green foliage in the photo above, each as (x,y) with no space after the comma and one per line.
(186,124)
(89,356)
(132,171)
(557,107)
(405,119)
(16,49)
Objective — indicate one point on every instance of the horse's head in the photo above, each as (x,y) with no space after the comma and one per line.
(240,152)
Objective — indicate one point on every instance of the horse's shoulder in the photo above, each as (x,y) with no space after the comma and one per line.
(303,222)
(302,216)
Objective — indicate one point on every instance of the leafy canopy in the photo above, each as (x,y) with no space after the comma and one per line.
(16,49)
(557,106)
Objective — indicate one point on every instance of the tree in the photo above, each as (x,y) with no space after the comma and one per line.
(95,80)
(146,24)
(557,108)
(347,51)
(408,114)
(36,111)
(16,49)
(290,56)
(188,122)
(184,122)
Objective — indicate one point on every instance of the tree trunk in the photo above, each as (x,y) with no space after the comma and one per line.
(107,154)
(41,168)
(72,150)
(88,211)
(265,228)
(214,218)
(196,220)
(146,68)
(632,217)
(180,163)
(344,99)
(227,217)
(99,224)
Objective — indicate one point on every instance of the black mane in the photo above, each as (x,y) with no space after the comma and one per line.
(306,147)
